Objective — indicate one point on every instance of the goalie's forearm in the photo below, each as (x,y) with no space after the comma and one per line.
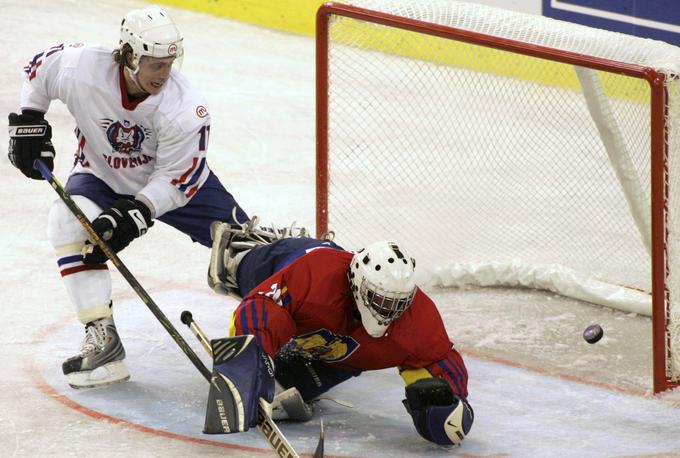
(450,368)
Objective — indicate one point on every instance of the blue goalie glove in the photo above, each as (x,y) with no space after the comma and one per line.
(438,415)
(242,374)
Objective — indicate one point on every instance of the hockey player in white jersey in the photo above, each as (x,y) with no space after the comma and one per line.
(142,136)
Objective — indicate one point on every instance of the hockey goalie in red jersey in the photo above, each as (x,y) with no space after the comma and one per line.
(324,315)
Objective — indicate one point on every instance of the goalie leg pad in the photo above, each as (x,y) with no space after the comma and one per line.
(230,243)
(242,374)
(222,278)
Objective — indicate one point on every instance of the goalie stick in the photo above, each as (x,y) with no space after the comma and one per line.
(132,281)
(267,426)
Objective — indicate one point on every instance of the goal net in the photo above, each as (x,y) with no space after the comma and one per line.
(505,149)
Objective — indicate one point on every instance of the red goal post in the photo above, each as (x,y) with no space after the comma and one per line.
(465,131)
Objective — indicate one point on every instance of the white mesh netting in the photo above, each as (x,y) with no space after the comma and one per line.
(532,29)
(476,159)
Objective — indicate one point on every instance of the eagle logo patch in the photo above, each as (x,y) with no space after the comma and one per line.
(326,346)
(124,137)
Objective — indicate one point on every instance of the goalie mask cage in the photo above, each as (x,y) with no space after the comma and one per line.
(506,149)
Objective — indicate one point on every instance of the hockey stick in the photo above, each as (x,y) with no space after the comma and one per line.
(267,426)
(141,292)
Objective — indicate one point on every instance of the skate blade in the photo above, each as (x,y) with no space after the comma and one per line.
(108,374)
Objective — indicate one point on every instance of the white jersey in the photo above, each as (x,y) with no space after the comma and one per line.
(155,148)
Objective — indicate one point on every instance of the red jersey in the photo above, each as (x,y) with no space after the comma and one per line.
(310,300)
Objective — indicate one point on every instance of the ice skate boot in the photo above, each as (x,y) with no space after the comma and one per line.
(100,361)
(289,405)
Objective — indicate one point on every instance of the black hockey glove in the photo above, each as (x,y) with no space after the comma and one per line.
(438,415)
(118,226)
(299,368)
(30,138)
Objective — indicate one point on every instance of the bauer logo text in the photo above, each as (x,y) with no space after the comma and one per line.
(275,440)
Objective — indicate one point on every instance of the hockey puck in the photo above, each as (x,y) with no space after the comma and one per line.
(593,333)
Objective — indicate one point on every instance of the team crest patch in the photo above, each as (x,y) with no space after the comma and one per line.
(124,137)
(326,346)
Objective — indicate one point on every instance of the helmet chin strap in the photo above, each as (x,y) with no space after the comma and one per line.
(133,77)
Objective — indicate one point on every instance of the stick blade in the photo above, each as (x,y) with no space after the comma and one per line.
(318,453)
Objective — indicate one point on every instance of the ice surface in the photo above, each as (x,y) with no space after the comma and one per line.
(537,388)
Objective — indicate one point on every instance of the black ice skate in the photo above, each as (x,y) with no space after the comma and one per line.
(100,361)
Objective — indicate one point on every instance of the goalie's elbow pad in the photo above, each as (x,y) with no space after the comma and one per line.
(438,415)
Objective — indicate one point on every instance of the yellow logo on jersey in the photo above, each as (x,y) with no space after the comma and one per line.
(326,346)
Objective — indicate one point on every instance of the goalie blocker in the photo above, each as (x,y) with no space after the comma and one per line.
(242,374)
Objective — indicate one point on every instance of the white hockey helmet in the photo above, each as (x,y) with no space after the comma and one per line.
(382,278)
(150,32)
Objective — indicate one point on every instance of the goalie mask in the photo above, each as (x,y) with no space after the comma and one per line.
(382,280)
(150,32)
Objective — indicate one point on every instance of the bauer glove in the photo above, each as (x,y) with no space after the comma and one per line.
(438,415)
(118,226)
(30,138)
